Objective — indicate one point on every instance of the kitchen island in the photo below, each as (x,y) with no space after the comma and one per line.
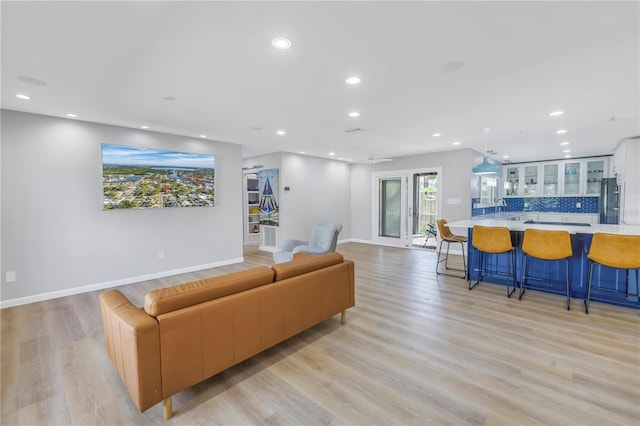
(608,284)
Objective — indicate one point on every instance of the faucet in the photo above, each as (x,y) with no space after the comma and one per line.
(500,203)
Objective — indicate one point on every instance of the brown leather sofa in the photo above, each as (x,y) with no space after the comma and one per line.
(190,332)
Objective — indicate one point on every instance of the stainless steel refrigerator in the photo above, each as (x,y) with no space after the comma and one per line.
(609,201)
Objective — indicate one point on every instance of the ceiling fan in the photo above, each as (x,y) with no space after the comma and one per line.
(372,160)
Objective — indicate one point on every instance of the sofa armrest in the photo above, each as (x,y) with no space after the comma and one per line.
(132,339)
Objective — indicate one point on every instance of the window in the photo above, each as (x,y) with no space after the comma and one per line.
(488,190)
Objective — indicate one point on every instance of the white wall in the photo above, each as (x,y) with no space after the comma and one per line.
(456,182)
(318,190)
(57,238)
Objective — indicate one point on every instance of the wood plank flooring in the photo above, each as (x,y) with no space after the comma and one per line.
(418,349)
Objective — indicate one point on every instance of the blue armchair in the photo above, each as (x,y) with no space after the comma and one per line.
(324,237)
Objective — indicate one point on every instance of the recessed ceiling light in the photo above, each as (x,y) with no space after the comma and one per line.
(556,113)
(203,136)
(281,43)
(281,132)
(354,114)
(70,115)
(563,143)
(455,143)
(566,150)
(144,127)
(505,156)
(437,134)
(567,156)
(349,159)
(302,152)
(452,66)
(561,131)
(32,80)
(353,80)
(21,96)
(332,153)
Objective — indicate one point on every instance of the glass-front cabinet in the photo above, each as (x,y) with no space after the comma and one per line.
(531,180)
(577,177)
(512,181)
(595,173)
(571,184)
(550,179)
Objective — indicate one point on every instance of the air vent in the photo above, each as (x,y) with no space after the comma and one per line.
(354,130)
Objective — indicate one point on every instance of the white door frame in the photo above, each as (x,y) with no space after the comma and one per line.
(406,207)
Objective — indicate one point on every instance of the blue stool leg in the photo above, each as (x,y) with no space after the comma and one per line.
(566,267)
(525,271)
(588,295)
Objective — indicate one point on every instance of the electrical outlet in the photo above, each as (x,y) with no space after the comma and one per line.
(161,254)
(578,205)
(10,277)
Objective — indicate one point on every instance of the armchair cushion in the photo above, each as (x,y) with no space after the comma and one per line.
(324,237)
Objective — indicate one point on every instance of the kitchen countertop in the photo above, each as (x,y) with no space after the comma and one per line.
(520,225)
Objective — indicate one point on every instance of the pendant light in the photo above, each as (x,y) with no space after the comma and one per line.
(485,168)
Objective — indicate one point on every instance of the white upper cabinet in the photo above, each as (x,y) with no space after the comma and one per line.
(555,178)
(531,174)
(551,179)
(595,171)
(511,181)
(571,179)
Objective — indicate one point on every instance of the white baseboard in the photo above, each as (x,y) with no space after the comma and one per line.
(108,284)
(268,248)
(355,240)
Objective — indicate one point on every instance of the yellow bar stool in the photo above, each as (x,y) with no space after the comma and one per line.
(548,246)
(446,236)
(614,251)
(493,240)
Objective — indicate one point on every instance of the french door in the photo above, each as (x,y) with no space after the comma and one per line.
(401,199)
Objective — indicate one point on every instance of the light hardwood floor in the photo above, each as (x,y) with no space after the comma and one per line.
(417,349)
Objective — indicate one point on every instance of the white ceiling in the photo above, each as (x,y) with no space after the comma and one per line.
(114,62)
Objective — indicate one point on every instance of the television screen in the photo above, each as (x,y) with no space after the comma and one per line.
(144,178)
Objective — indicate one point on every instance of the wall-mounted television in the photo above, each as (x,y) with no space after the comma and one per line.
(145,178)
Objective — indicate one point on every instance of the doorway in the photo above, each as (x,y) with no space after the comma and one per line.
(425,207)
(406,208)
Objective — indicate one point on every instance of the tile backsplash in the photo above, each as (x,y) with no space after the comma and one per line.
(542,204)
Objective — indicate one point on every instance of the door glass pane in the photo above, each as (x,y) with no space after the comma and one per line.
(425,198)
(390,198)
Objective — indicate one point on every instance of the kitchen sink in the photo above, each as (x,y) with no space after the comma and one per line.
(538,222)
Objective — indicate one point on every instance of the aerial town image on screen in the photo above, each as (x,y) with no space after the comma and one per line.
(144,178)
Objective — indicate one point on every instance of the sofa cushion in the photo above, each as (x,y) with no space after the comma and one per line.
(303,263)
(169,299)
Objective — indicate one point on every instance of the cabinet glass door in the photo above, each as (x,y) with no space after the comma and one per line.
(550,179)
(530,180)
(572,178)
(595,173)
(512,181)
